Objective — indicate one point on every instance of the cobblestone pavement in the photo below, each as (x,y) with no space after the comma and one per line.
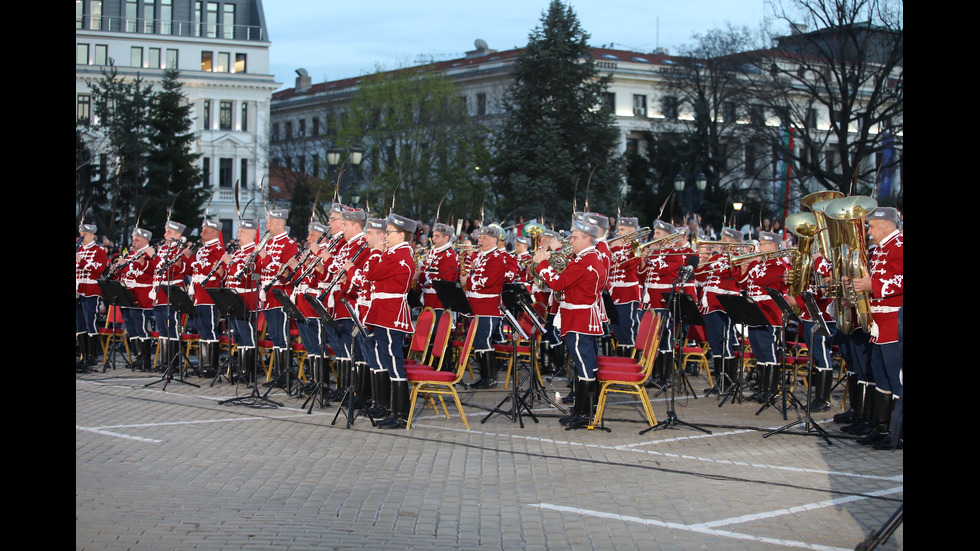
(172,468)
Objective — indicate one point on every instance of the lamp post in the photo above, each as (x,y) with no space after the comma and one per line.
(355,156)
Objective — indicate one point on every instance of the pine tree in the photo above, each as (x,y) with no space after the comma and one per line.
(557,148)
(173,175)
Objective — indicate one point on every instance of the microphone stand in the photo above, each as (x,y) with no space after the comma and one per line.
(674,304)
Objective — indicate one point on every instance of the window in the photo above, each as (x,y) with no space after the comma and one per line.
(632,145)
(228,21)
(224,115)
(729,112)
(302,128)
(154,58)
(750,160)
(101,54)
(207,114)
(831,159)
(83,107)
(224,59)
(316,126)
(207,61)
(639,105)
(481,104)
(301,165)
(275,132)
(757,115)
(289,130)
(669,106)
(149,16)
(136,56)
(243,174)
(240,64)
(244,120)
(81,54)
(211,20)
(225,172)
(132,14)
(609,102)
(811,119)
(166,16)
(171,59)
(316,165)
(206,172)
(95,15)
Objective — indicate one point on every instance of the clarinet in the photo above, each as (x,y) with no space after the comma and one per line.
(340,274)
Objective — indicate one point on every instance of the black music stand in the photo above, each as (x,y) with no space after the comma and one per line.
(788,315)
(521,300)
(231,306)
(114,294)
(183,304)
(819,328)
(293,313)
(745,312)
(347,402)
(685,311)
(254,399)
(518,403)
(327,319)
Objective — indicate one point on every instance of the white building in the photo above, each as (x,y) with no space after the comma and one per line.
(222,52)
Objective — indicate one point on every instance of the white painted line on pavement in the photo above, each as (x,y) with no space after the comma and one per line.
(117,435)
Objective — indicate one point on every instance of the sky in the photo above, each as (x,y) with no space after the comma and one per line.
(335,40)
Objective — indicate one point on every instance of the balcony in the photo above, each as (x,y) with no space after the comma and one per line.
(171,28)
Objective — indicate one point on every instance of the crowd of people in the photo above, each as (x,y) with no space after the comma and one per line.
(592,282)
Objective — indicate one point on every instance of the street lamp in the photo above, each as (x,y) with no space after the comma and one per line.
(355,156)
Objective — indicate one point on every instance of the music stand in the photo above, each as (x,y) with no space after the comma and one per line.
(684,310)
(293,313)
(183,304)
(788,315)
(231,306)
(347,402)
(742,311)
(517,333)
(518,299)
(819,328)
(318,377)
(254,399)
(453,297)
(114,294)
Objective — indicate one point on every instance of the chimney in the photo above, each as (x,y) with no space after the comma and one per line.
(303,80)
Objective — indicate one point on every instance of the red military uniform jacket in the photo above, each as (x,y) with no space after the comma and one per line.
(439,264)
(170,252)
(334,266)
(624,276)
(887,271)
(581,287)
(760,275)
(344,290)
(717,278)
(306,285)
(486,282)
(239,276)
(822,267)
(660,273)
(89,269)
(360,282)
(278,250)
(391,278)
(208,256)
(137,276)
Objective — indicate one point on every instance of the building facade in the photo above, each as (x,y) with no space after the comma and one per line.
(222,52)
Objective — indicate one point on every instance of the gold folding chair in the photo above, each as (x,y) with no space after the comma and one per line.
(441,383)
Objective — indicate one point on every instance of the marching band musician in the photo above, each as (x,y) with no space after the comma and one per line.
(483,284)
(91,262)
(754,280)
(624,286)
(885,286)
(389,315)
(553,348)
(350,360)
(719,278)
(310,273)
(207,271)
(820,347)
(136,274)
(332,268)
(523,257)
(440,263)
(578,319)
(605,254)
(659,268)
(374,235)
(240,279)
(169,268)
(269,265)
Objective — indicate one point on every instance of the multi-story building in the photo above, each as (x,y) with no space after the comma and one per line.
(221,49)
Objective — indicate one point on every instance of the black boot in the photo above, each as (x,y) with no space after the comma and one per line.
(821,390)
(863,425)
(247,369)
(145,363)
(399,407)
(881,422)
(94,348)
(488,371)
(381,394)
(855,393)
(575,415)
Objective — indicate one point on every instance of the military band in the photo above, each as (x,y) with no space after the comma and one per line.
(369,263)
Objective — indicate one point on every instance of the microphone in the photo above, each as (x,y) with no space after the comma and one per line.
(686,273)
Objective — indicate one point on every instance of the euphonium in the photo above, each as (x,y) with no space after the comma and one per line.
(804,227)
(850,243)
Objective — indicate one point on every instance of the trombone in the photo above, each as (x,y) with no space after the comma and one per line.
(726,246)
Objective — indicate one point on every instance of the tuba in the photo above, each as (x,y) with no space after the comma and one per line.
(804,227)
(849,246)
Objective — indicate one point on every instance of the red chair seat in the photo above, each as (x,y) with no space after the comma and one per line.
(190,337)
(298,347)
(625,376)
(439,376)
(265,343)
